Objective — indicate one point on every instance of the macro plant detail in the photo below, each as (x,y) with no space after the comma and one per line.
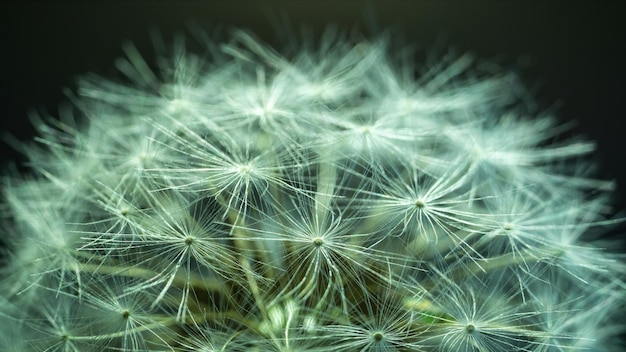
(332,197)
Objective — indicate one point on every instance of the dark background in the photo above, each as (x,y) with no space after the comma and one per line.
(571,51)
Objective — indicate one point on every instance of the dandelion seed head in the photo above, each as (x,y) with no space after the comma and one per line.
(329,196)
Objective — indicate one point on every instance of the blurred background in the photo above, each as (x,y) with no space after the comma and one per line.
(570,53)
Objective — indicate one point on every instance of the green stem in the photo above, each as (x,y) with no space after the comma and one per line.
(180,280)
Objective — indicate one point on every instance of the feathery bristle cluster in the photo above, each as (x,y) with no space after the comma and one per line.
(332,199)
